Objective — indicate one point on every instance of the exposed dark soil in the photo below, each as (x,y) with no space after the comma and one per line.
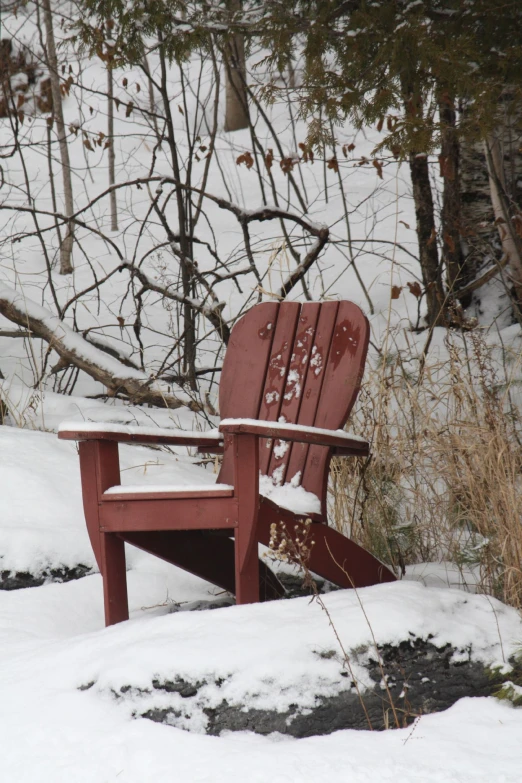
(421,678)
(17,580)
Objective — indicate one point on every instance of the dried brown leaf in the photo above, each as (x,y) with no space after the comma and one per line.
(415,289)
(246,159)
(378,166)
(287,164)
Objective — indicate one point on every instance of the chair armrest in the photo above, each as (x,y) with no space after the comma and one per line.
(122,433)
(336,439)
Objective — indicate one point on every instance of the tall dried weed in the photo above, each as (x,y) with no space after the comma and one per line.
(444,480)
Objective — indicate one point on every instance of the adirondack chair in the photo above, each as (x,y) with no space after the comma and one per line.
(290,377)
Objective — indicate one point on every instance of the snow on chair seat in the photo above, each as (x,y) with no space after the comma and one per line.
(165,491)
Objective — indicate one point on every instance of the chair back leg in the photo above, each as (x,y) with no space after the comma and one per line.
(247,574)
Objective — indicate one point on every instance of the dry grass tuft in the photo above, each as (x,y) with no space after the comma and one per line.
(444,479)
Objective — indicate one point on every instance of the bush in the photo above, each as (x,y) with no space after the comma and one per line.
(444,478)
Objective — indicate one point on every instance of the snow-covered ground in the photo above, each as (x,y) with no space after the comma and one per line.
(52,639)
(53,643)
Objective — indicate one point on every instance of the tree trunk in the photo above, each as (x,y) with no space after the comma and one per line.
(111,151)
(236,111)
(152,102)
(424,212)
(456,272)
(185,233)
(503,210)
(480,236)
(426,234)
(491,194)
(52,62)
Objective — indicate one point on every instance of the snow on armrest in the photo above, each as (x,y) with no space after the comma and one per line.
(124,433)
(295,432)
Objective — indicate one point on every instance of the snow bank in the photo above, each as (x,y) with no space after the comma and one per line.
(52,643)
(267,654)
(179,645)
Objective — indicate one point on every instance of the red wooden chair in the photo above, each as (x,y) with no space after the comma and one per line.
(290,377)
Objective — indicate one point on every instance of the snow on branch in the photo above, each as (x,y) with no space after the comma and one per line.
(265,212)
(244,216)
(269,212)
(212,313)
(75,349)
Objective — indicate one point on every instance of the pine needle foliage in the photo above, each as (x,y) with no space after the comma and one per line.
(390,62)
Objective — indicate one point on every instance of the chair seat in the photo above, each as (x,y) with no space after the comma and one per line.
(292,498)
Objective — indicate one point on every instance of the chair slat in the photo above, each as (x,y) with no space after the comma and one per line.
(341,384)
(295,386)
(313,386)
(244,371)
(276,375)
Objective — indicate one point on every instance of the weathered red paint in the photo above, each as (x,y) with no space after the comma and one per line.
(300,362)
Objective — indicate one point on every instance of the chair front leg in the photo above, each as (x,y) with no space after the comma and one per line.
(114,575)
(100,470)
(246,482)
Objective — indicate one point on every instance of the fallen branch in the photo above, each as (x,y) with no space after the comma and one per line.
(72,348)
(14,333)
(102,344)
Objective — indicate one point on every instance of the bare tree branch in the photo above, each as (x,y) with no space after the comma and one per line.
(212,314)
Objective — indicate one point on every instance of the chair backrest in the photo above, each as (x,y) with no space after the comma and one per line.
(299,363)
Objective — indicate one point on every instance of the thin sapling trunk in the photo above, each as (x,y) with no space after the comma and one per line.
(66,247)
